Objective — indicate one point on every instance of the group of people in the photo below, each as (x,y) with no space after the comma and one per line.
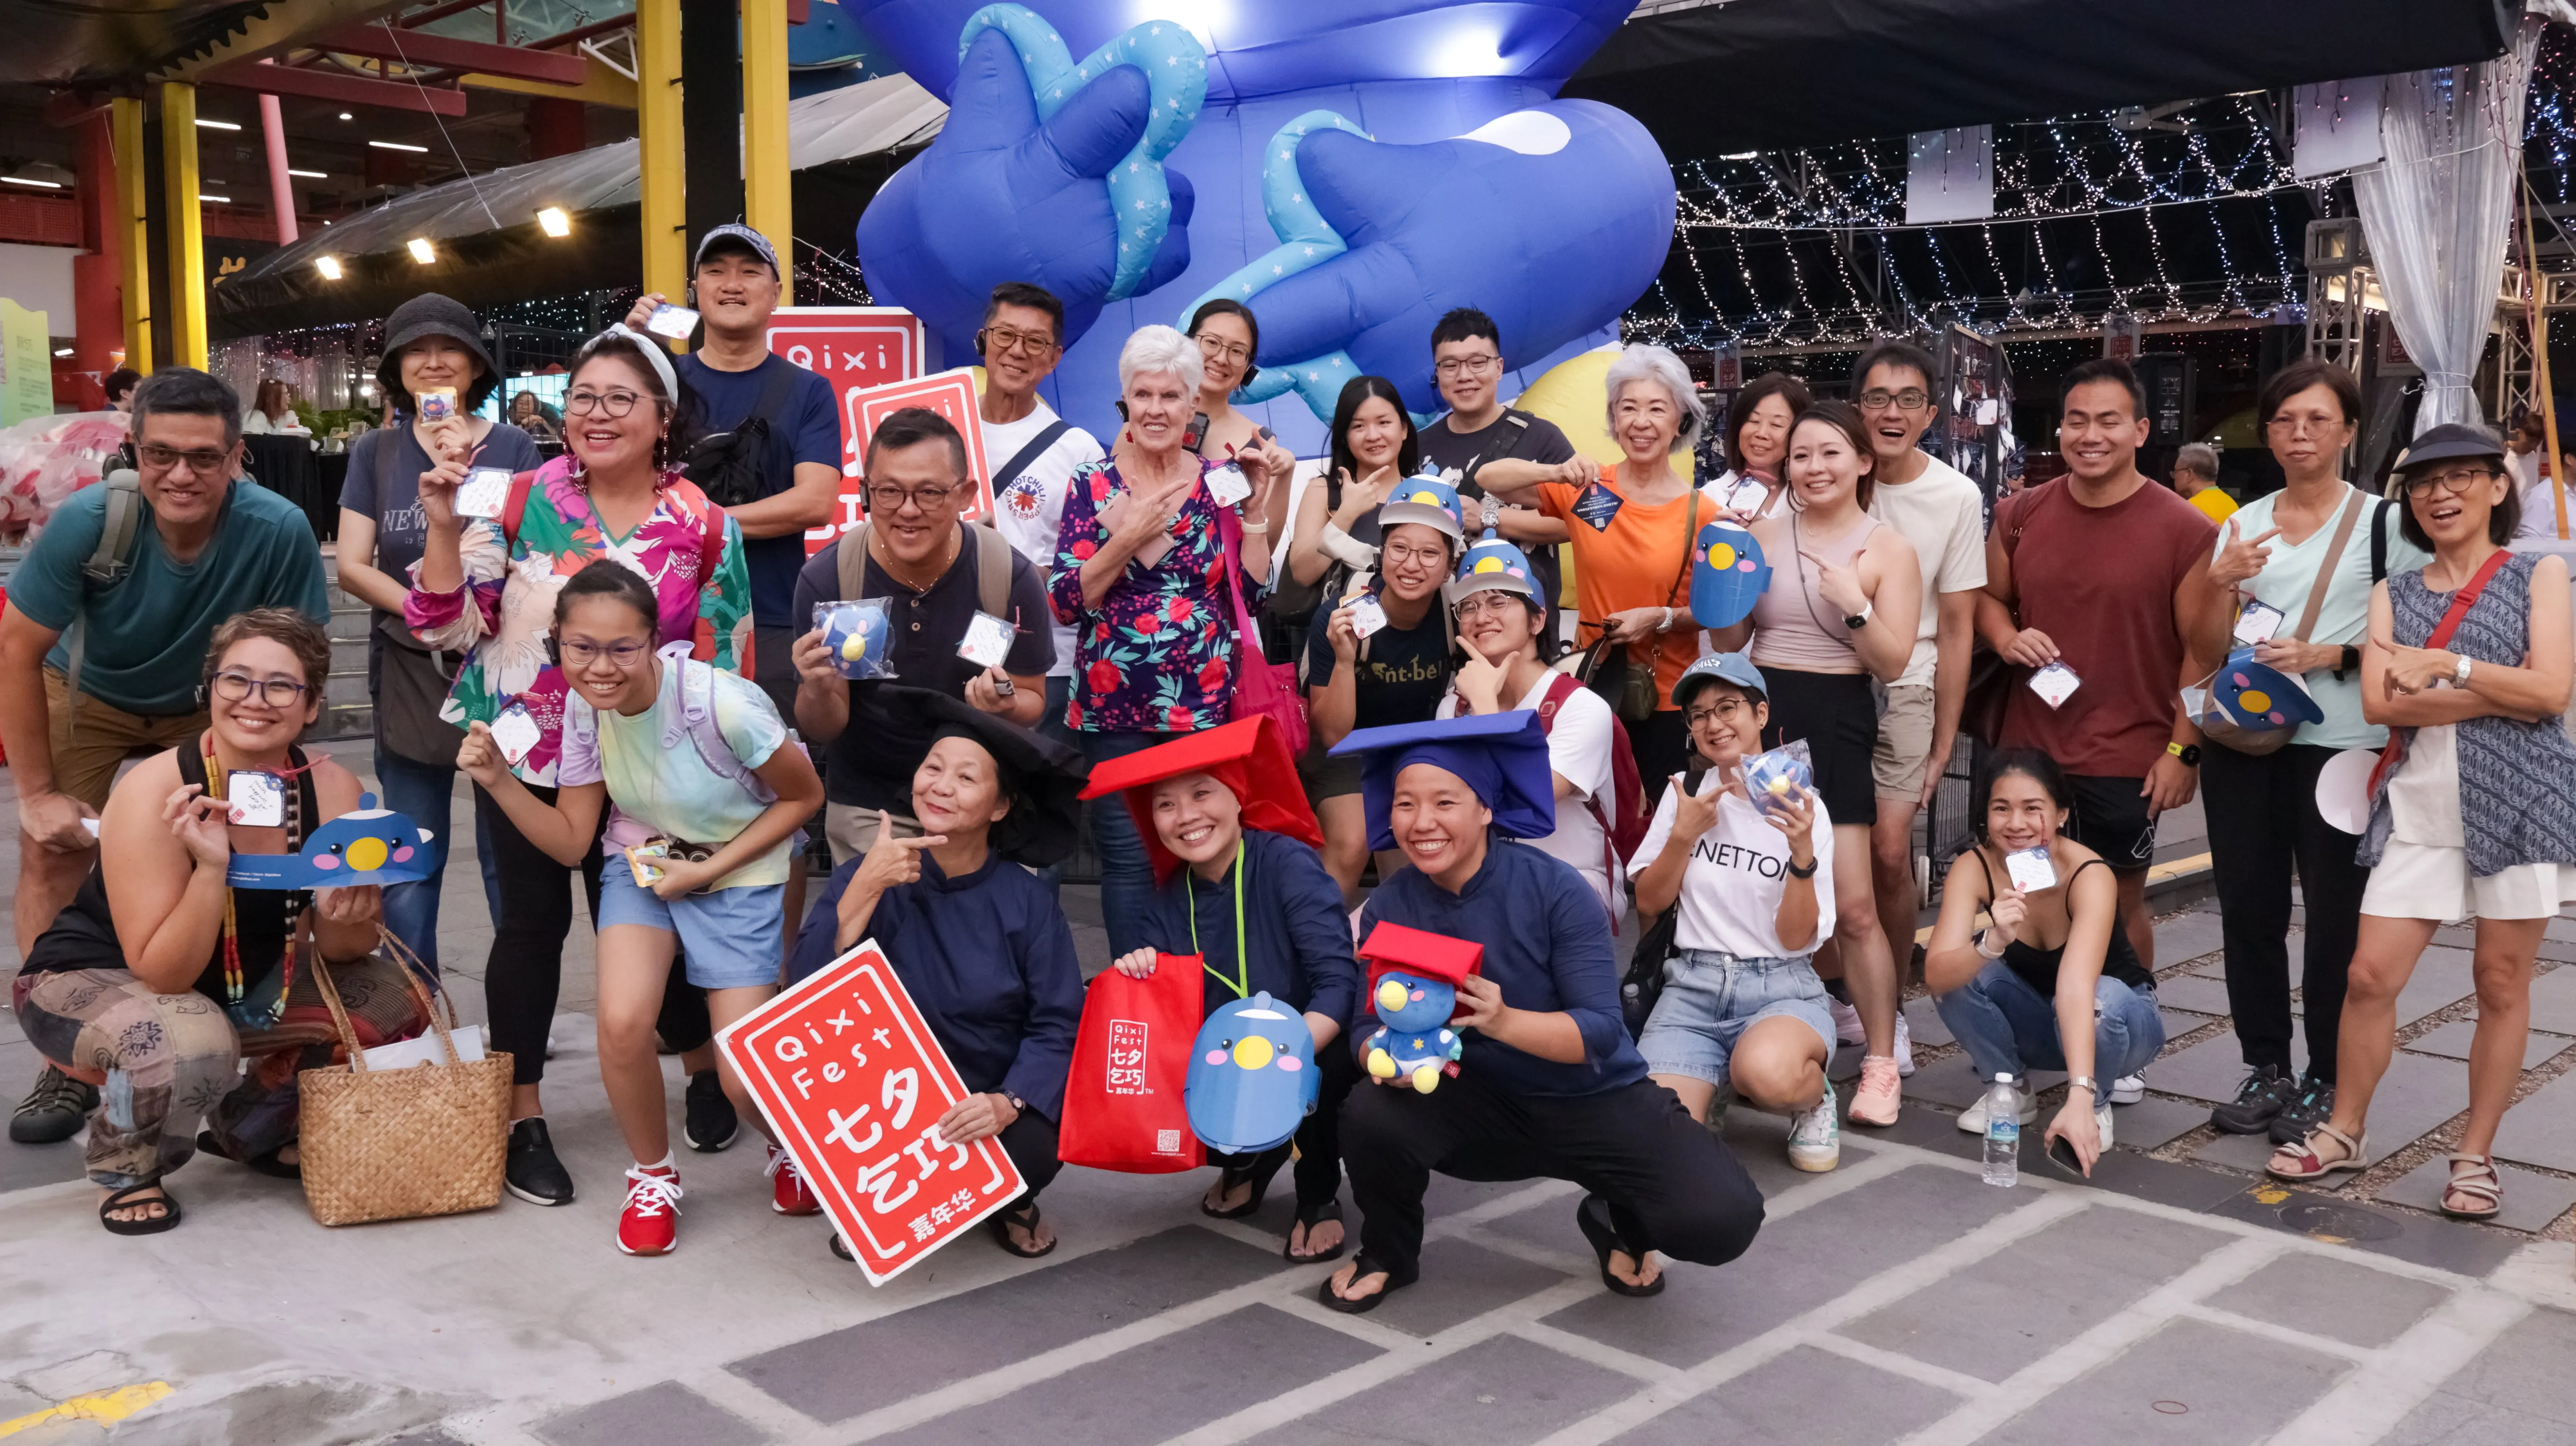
(619,648)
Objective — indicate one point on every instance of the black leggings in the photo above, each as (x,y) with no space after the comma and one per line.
(523,977)
(1660,745)
(2263,819)
(1318,1141)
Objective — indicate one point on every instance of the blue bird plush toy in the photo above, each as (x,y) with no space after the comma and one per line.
(1413,988)
(1252,1076)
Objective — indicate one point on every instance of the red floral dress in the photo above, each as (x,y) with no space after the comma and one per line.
(1157,656)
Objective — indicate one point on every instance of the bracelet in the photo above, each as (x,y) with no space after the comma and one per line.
(2085,1083)
(1666,625)
(1981,945)
(1262,531)
(1808,872)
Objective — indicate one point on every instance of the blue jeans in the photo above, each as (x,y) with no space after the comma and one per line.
(1126,873)
(421,792)
(1059,690)
(2009,1028)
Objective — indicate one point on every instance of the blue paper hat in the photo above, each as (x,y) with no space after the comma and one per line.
(1502,756)
(1252,1077)
(369,846)
(1492,565)
(1727,576)
(2259,699)
(1427,500)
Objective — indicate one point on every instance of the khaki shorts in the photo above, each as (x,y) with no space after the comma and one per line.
(852,830)
(1904,743)
(85,764)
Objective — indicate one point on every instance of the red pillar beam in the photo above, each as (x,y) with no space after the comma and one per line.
(98,281)
(273,79)
(418,47)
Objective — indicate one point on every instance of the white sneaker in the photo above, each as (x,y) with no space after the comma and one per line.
(1847,1028)
(2102,1123)
(1904,1047)
(1815,1136)
(1972,1120)
(2128,1089)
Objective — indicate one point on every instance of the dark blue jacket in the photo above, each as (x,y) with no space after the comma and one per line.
(1294,927)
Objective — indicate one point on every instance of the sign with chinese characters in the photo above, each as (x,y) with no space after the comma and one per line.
(952,395)
(853,348)
(845,1070)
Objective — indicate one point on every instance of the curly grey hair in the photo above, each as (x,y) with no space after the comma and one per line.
(1156,350)
(1643,363)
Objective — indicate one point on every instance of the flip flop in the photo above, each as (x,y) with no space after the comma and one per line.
(130,1197)
(1329,1210)
(1026,1217)
(1259,1173)
(268,1164)
(1363,1268)
(1604,1237)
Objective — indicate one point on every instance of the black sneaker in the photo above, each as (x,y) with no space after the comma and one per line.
(53,1111)
(2258,1102)
(532,1172)
(2314,1106)
(708,1123)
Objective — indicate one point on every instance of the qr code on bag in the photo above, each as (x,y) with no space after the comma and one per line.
(1167,1142)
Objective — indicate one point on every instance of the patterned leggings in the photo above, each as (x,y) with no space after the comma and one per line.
(172,1059)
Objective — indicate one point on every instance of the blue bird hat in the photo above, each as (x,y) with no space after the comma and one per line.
(369,845)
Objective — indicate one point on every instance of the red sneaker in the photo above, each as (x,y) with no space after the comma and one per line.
(788,1194)
(649,1225)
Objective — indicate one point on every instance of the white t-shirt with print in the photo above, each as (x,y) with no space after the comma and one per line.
(1027,507)
(1578,751)
(1739,868)
(1944,515)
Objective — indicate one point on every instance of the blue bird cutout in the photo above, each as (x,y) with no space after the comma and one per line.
(2258,699)
(1252,1076)
(1728,576)
(369,846)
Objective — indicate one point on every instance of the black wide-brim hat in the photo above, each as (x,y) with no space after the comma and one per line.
(2449,442)
(430,314)
(1042,778)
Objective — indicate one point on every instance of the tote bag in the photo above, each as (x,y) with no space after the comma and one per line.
(1123,1104)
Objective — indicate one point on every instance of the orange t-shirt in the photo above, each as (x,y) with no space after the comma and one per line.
(1641,560)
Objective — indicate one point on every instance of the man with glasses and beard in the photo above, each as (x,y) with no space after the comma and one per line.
(936,573)
(105,637)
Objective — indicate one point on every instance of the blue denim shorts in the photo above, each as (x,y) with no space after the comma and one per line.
(1710,999)
(730,938)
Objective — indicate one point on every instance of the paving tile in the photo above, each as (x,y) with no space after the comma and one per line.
(1760,1141)
(2212,1069)
(2531,1200)
(2559,951)
(1991,1320)
(2451,1041)
(1461,1280)
(2441,979)
(2194,992)
(1498,1392)
(25,1166)
(2541,1130)
(2513,1391)
(2443,1244)
(1954,1082)
(2179,1022)
(2188,935)
(1010,1320)
(1793,1266)
(2250,1153)
(2213,967)
(2184,1187)
(2333,1298)
(1779,1403)
(668,1413)
(2232,1386)
(1158,1389)
(1923,1022)
(2553,1001)
(1446,1196)
(2153,1123)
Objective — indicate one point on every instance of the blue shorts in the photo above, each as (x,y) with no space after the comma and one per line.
(1710,999)
(730,937)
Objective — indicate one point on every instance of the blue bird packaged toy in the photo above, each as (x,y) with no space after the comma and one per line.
(1727,576)
(1413,988)
(1252,1077)
(854,634)
(370,845)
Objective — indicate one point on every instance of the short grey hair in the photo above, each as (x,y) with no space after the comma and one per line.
(1643,363)
(2199,459)
(1155,350)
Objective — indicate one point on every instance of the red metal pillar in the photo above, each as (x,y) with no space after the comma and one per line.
(556,127)
(98,280)
(281,190)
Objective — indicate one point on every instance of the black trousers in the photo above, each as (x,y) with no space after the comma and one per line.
(523,977)
(1671,1185)
(1318,1141)
(1659,745)
(2263,821)
(1030,1142)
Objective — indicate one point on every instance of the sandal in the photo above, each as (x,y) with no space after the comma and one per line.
(841,1247)
(1596,1227)
(2476,1177)
(1026,1217)
(2302,1161)
(1329,1210)
(130,1197)
(1362,1269)
(268,1164)
(1258,1174)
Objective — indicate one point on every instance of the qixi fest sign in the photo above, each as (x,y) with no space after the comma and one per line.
(854,348)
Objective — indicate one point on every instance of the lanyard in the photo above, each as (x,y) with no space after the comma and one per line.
(1241,983)
(233,983)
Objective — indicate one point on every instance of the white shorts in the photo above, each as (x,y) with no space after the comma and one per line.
(2421,881)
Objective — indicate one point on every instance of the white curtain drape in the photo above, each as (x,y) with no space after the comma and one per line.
(2439,209)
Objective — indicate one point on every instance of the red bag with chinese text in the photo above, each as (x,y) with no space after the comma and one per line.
(1122,1106)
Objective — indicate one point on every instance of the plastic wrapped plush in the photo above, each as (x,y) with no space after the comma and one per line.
(855,633)
(1770,778)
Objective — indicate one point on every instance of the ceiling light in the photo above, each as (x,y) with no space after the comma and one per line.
(218,200)
(216,125)
(555,222)
(63,351)
(1740,156)
(421,250)
(398,146)
(32,181)
(309,175)
(329,266)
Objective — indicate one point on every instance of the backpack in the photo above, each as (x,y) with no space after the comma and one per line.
(992,567)
(696,720)
(1623,826)
(108,565)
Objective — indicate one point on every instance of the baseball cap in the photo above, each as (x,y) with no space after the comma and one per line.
(1735,668)
(732,236)
(2449,442)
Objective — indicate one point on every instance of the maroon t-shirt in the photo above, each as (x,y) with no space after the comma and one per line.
(2100,582)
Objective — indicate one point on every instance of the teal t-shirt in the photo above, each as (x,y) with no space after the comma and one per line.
(2285,581)
(147,634)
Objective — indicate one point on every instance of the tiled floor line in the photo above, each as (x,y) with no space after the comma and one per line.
(2368,1403)
(1897,1363)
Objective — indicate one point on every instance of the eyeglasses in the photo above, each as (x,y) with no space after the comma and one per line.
(2455,481)
(1467,366)
(1879,399)
(994,340)
(204,461)
(581,652)
(1229,351)
(275,692)
(892,499)
(1433,557)
(612,404)
(1721,711)
(1493,600)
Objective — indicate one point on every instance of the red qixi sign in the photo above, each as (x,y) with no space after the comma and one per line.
(847,1073)
(854,348)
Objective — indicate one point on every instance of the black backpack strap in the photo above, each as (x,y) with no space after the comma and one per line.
(2379,543)
(1027,456)
(773,393)
(1507,435)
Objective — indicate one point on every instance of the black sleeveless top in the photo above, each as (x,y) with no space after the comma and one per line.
(2038,967)
(83,935)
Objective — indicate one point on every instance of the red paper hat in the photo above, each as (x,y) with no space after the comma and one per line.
(1247,756)
(1417,951)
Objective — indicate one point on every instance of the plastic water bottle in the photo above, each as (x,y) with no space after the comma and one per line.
(2003,1133)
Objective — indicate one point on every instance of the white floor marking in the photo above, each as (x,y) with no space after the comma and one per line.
(2369,1403)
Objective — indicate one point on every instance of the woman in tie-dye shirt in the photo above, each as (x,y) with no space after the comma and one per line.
(486,586)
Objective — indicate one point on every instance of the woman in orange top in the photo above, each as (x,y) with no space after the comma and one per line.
(1632,530)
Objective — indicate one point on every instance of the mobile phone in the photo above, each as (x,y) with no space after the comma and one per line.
(1196,432)
(2062,1155)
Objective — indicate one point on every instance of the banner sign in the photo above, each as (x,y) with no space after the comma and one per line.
(853,348)
(952,395)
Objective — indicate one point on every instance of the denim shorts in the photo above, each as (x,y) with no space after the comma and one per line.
(1710,999)
(730,937)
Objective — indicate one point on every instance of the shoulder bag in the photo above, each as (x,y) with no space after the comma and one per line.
(1262,688)
(411,681)
(2216,726)
(1625,680)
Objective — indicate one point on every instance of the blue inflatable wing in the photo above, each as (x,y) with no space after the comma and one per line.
(370,846)
(2259,699)
(1727,576)
(1252,1077)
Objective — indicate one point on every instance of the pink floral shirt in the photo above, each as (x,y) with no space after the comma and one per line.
(1158,655)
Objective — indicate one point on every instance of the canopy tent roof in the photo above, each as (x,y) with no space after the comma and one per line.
(1742,75)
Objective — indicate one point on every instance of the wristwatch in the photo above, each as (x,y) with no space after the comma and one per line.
(1860,620)
(2460,674)
(2189,753)
(2085,1083)
(1808,872)
(1018,1105)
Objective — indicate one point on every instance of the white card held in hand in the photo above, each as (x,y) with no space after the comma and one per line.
(1228,485)
(675,322)
(515,733)
(2055,684)
(483,493)
(1367,616)
(2032,869)
(257,799)
(2259,621)
(988,640)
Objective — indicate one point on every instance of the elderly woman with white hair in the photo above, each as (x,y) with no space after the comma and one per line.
(1632,529)
(1146,562)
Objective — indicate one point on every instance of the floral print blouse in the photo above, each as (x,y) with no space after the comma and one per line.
(1158,655)
(685,547)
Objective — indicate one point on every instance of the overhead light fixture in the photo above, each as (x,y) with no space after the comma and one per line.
(399,146)
(309,175)
(1741,156)
(344,115)
(216,125)
(554,221)
(62,351)
(329,266)
(421,251)
(218,200)
(32,181)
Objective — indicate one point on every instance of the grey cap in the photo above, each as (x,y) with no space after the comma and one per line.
(739,236)
(2449,442)
(1735,668)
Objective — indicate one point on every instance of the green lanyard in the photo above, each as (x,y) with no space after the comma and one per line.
(1241,983)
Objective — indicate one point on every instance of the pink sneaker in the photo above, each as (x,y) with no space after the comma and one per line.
(1875,1101)
(788,1193)
(650,1224)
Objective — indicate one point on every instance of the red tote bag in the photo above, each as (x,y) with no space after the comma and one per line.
(1122,1106)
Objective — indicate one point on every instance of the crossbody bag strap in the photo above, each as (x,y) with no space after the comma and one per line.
(852,562)
(2379,542)
(1027,456)
(992,571)
(2325,571)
